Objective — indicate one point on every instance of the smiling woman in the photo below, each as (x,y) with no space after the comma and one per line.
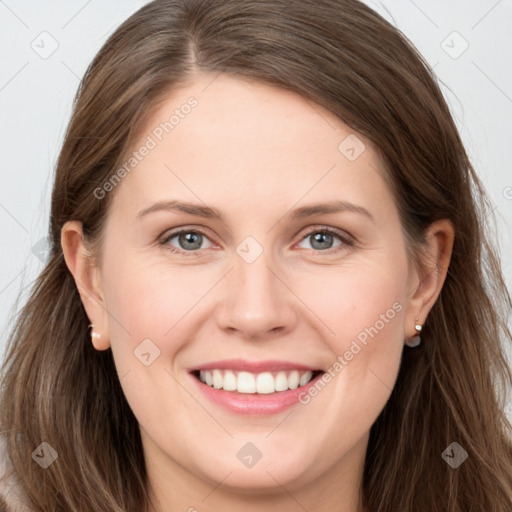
(288,302)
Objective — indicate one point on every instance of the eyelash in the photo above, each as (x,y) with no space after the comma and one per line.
(346,240)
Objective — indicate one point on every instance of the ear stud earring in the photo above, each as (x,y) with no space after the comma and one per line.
(416,340)
(94,335)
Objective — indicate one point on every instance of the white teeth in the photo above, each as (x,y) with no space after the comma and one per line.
(263,383)
(246,383)
(281,382)
(229,383)
(305,378)
(293,380)
(217,379)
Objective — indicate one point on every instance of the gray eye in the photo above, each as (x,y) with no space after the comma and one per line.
(190,240)
(187,240)
(321,241)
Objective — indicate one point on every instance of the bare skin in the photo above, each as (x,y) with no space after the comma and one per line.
(255,153)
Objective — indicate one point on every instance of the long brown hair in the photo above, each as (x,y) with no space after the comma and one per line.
(342,55)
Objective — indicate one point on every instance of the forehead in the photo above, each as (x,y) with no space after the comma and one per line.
(236,143)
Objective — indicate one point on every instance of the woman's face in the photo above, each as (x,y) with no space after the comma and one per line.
(257,298)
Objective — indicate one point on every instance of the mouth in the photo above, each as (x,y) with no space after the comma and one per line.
(251,383)
(254,388)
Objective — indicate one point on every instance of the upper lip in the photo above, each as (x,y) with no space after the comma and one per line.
(253,366)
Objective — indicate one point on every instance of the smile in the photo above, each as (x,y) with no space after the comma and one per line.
(251,383)
(254,388)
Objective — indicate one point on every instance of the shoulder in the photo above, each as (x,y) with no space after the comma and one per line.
(12,498)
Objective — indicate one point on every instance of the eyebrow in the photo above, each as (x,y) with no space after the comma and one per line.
(212,213)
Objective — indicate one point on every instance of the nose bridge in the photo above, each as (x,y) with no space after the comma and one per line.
(256,301)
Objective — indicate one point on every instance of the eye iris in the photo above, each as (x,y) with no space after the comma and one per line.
(190,237)
(324,239)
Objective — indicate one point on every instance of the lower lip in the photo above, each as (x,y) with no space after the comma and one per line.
(255,404)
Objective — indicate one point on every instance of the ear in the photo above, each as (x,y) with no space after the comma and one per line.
(428,278)
(86,273)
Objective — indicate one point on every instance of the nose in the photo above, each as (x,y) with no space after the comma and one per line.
(257,302)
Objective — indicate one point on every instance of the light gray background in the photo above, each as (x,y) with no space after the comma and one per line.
(37,88)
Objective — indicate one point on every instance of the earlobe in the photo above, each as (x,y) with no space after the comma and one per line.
(86,275)
(97,340)
(431,273)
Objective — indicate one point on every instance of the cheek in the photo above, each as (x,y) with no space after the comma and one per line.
(360,308)
(148,308)
(362,311)
(359,301)
(148,299)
